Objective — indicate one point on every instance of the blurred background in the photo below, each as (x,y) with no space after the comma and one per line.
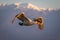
(9,31)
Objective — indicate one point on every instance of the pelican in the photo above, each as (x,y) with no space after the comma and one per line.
(25,21)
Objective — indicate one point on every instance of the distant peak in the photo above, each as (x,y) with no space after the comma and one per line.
(17,4)
(29,5)
(51,9)
(3,4)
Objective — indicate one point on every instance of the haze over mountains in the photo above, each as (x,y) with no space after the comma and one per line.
(26,5)
(27,8)
(9,31)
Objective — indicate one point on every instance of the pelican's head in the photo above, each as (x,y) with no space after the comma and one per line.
(39,19)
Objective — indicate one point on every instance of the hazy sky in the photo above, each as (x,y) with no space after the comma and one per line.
(9,31)
(40,3)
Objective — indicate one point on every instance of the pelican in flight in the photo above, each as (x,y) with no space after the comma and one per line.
(25,21)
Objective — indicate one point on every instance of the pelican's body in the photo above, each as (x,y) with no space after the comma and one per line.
(25,21)
(28,22)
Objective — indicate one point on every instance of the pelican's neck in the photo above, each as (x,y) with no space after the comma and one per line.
(35,22)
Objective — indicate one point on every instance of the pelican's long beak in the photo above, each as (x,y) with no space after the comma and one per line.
(13,20)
